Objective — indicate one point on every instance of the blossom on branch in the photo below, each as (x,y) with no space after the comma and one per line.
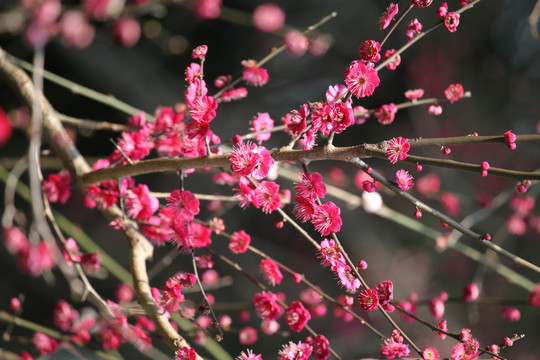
(361,79)
(326,218)
(397,149)
(251,160)
(388,16)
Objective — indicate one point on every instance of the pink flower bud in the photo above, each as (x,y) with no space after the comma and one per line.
(362,265)
(268,17)
(247,336)
(126,31)
(471,292)
(15,304)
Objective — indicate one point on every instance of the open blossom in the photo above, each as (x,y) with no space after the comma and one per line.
(200,235)
(267,193)
(331,255)
(184,204)
(360,114)
(203,108)
(394,347)
(414,94)
(303,208)
(246,193)
(327,219)
(321,348)
(451,21)
(292,351)
(430,354)
(311,186)
(332,118)
(397,149)
(249,355)
(271,271)
(44,343)
(335,93)
(56,187)
(394,63)
(193,72)
(239,242)
(296,316)
(185,353)
(413,29)
(297,43)
(308,138)
(255,76)
(234,94)
(267,306)
(262,122)
(465,351)
(64,315)
(296,120)
(386,113)
(361,79)
(140,204)
(385,292)
(454,92)
(268,17)
(404,180)
(347,278)
(369,51)
(251,160)
(134,146)
(368,299)
(388,16)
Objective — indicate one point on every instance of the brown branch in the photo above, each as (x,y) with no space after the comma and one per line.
(216,161)
(93,125)
(448,220)
(379,151)
(58,139)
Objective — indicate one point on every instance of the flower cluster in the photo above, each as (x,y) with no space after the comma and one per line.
(331,256)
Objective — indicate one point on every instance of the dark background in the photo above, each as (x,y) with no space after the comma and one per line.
(492,54)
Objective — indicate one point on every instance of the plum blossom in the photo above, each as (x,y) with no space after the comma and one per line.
(271,271)
(239,242)
(413,29)
(397,149)
(361,79)
(388,16)
(251,160)
(404,180)
(255,76)
(451,21)
(326,218)
(262,122)
(386,113)
(296,316)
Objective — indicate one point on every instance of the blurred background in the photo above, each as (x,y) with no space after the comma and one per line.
(492,54)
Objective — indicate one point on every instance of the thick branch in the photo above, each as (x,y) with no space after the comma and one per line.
(177,164)
(56,136)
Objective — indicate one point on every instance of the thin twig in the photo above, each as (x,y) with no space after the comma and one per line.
(428,209)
